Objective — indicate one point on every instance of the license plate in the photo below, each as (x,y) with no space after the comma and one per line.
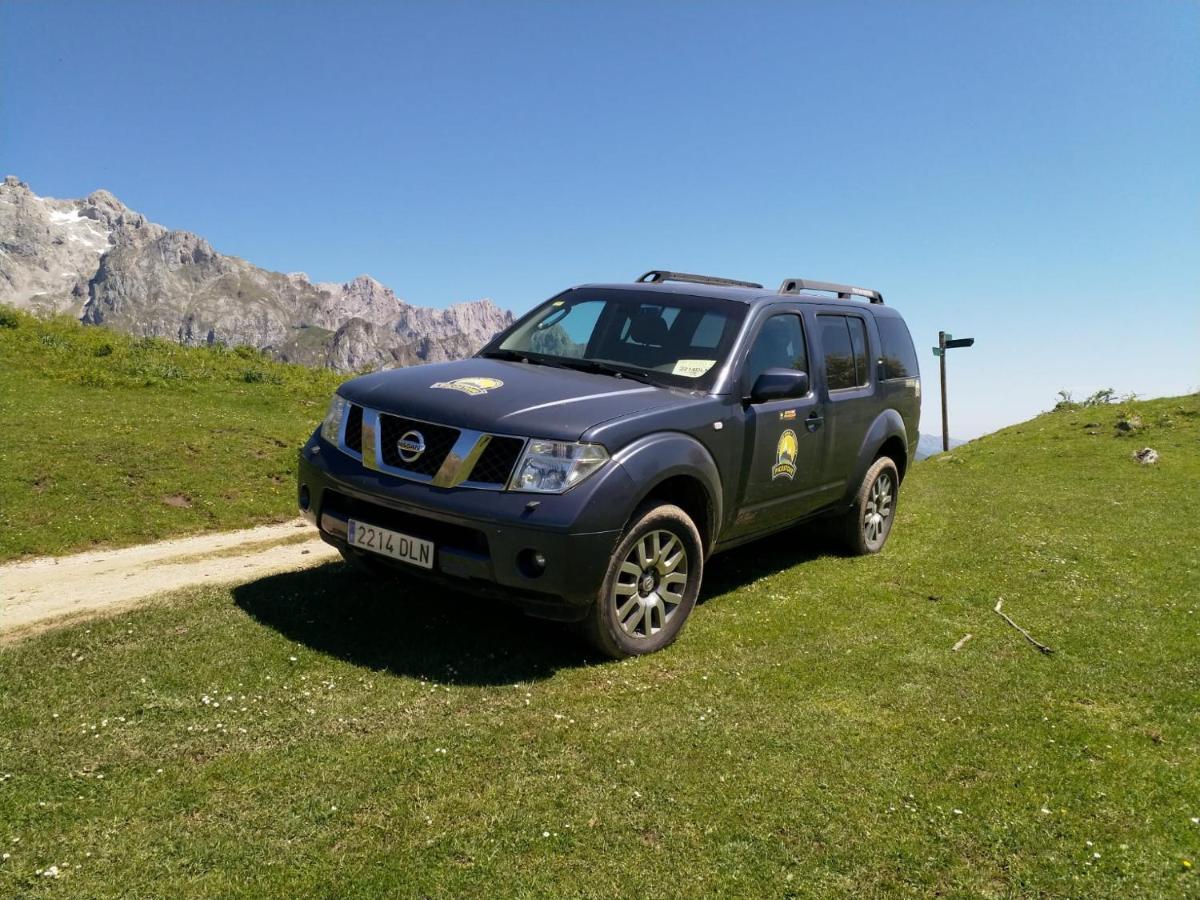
(390,543)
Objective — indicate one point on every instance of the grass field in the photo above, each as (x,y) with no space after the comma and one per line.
(113,440)
(812,733)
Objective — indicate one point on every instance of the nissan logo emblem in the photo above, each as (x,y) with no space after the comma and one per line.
(411,445)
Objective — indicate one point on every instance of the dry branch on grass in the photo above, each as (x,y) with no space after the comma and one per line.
(1029,637)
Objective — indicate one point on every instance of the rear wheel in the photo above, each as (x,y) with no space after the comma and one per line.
(651,585)
(865,528)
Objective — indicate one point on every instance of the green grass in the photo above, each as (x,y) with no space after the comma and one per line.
(812,733)
(113,440)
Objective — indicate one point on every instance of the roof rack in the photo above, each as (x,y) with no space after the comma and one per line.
(844,291)
(658,276)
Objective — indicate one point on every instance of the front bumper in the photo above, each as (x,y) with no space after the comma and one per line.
(478,534)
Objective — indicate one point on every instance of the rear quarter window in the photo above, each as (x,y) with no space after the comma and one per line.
(896,348)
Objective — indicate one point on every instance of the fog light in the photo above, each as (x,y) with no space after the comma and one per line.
(531,563)
(305,500)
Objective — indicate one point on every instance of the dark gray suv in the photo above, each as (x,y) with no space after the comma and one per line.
(589,460)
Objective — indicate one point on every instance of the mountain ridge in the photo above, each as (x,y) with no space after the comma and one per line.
(103,263)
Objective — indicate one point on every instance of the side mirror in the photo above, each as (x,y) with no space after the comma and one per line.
(779,384)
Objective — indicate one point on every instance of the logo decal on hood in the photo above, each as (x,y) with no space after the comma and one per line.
(472,386)
(785,456)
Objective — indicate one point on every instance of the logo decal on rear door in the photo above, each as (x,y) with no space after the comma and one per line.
(785,456)
(472,386)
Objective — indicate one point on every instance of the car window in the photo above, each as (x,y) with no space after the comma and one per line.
(858,342)
(839,352)
(709,331)
(897,351)
(567,330)
(678,340)
(779,345)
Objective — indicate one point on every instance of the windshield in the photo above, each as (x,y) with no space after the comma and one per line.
(671,339)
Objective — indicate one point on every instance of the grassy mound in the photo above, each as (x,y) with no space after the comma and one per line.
(812,734)
(114,440)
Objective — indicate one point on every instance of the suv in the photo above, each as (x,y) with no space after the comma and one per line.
(589,460)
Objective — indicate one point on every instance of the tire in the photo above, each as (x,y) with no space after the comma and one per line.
(866,526)
(650,582)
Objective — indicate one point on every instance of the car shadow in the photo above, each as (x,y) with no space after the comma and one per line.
(409,627)
(767,556)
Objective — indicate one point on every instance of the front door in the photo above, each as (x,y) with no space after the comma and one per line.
(785,439)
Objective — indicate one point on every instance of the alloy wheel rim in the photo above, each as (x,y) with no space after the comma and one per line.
(878,512)
(650,584)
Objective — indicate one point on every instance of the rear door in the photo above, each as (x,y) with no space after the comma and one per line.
(848,390)
(785,439)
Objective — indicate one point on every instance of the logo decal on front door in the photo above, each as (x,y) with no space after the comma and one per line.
(785,456)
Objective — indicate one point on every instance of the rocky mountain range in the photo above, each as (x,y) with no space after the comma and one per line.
(103,263)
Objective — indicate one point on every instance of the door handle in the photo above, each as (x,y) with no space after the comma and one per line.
(814,421)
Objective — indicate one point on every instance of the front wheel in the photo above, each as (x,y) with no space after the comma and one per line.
(866,526)
(651,585)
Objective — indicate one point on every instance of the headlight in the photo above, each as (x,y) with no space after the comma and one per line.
(331,428)
(550,467)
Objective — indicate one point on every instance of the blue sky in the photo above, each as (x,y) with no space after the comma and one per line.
(1026,173)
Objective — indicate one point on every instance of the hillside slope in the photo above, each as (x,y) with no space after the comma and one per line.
(812,734)
(99,261)
(115,441)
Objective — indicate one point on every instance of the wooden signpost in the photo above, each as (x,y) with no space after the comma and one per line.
(946,342)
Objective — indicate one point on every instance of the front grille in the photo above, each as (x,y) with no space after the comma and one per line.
(354,428)
(496,461)
(439,440)
(443,534)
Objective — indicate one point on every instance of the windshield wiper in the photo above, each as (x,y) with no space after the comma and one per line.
(514,356)
(603,368)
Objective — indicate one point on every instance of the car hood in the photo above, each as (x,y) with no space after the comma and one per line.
(508,397)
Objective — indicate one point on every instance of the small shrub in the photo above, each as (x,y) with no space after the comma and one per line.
(55,341)
(153,343)
(247,352)
(9,318)
(257,376)
(1065,402)
(95,380)
(1101,398)
(103,350)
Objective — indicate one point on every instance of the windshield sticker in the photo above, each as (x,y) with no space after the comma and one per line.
(472,386)
(785,456)
(693,368)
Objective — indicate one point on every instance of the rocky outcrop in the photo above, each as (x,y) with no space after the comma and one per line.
(106,264)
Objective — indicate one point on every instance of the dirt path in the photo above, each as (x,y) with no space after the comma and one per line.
(35,592)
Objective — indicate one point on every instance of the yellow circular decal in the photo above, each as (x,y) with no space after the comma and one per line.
(785,456)
(472,386)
